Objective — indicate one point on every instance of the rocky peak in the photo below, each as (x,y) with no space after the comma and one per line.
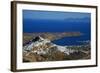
(37,38)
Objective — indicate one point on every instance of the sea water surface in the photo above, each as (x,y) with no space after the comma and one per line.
(53,21)
(70,41)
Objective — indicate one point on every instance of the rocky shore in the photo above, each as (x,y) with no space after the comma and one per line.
(49,35)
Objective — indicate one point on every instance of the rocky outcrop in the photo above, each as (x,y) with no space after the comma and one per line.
(40,49)
(51,36)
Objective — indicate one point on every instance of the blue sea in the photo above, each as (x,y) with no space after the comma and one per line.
(48,21)
(71,41)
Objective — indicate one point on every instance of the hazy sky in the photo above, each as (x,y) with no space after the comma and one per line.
(53,15)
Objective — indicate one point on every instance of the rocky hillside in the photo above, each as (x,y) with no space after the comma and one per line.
(40,49)
(50,36)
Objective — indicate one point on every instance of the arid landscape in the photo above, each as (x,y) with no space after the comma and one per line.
(56,36)
(38,47)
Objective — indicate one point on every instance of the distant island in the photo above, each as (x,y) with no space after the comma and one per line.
(49,35)
(56,36)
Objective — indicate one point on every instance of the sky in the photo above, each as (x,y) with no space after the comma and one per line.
(55,21)
(52,15)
